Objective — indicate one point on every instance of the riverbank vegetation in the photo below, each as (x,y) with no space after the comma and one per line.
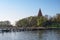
(39,21)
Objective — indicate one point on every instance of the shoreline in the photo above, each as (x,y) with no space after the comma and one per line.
(29,29)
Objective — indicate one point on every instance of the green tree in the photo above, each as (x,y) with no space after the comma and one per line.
(58,17)
(22,23)
(41,20)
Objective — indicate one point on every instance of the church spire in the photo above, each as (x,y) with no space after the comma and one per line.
(39,13)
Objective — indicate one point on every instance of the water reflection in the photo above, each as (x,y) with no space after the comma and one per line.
(31,35)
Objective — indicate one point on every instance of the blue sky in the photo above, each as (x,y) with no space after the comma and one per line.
(14,10)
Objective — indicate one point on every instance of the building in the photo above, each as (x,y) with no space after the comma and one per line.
(39,13)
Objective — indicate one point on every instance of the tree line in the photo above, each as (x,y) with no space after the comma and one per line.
(39,21)
(34,21)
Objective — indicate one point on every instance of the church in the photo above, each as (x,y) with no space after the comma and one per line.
(40,13)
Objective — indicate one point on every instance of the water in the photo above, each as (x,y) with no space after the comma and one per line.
(31,35)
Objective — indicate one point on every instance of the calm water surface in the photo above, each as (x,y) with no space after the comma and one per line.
(31,35)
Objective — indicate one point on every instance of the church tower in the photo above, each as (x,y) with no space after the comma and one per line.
(39,13)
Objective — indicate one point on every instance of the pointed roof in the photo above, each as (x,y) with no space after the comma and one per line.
(39,13)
